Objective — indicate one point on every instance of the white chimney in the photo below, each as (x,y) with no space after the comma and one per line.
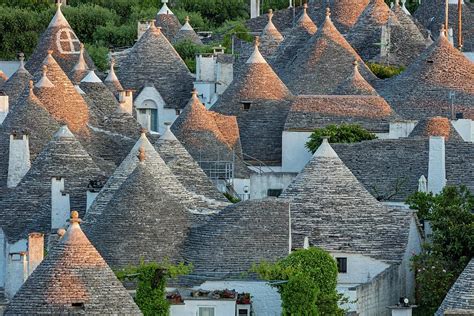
(451,35)
(35,251)
(306,243)
(4,107)
(17,272)
(422,184)
(91,195)
(254,8)
(126,101)
(436,165)
(19,159)
(60,204)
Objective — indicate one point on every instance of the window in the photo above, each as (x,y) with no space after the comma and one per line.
(147,115)
(246,105)
(67,42)
(342,265)
(274,192)
(206,311)
(243,312)
(178,111)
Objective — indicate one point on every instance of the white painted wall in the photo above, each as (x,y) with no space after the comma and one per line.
(224,76)
(60,204)
(205,68)
(407,277)
(191,307)
(19,160)
(4,107)
(401,129)
(242,188)
(35,251)
(261,183)
(437,165)
(254,8)
(16,268)
(164,114)
(90,198)
(265,299)
(294,153)
(3,256)
(465,128)
(360,268)
(206,92)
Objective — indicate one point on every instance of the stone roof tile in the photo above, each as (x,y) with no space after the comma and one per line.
(187,33)
(17,83)
(436,126)
(168,22)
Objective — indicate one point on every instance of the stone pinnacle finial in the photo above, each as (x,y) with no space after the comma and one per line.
(21,57)
(270,14)
(355,63)
(31,86)
(112,63)
(141,154)
(186,19)
(194,93)
(143,131)
(397,3)
(257,41)
(45,70)
(328,12)
(442,31)
(50,52)
(61,232)
(58,4)
(153,25)
(74,217)
(305,7)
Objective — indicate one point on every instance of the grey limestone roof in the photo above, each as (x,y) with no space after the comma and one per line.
(193,201)
(270,38)
(436,126)
(61,100)
(28,207)
(28,117)
(73,279)
(187,33)
(261,124)
(355,84)
(209,136)
(390,169)
(423,89)
(184,167)
(431,13)
(153,59)
(111,81)
(460,297)
(324,63)
(333,209)
(242,234)
(81,69)
(294,39)
(16,84)
(346,13)
(310,112)
(168,22)
(143,221)
(61,39)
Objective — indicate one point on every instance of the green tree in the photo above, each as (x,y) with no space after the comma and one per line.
(306,280)
(151,284)
(385,71)
(188,50)
(452,243)
(344,133)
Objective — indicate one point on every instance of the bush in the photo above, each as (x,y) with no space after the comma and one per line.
(196,20)
(188,50)
(216,11)
(383,71)
(311,276)
(99,55)
(344,133)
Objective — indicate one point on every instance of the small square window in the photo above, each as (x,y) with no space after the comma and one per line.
(341,265)
(243,312)
(246,106)
(178,111)
(274,192)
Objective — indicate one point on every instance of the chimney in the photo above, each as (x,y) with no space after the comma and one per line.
(306,243)
(422,184)
(19,158)
(451,36)
(60,204)
(35,251)
(17,272)
(3,107)
(254,8)
(126,101)
(436,165)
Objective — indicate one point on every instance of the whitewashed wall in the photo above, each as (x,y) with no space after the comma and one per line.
(294,153)
(191,307)
(465,128)
(261,183)
(407,277)
(400,129)
(4,107)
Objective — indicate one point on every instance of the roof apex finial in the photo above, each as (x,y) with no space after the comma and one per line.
(270,14)
(355,63)
(21,57)
(186,19)
(141,154)
(328,13)
(194,93)
(153,25)
(442,31)
(305,7)
(75,217)
(31,83)
(256,43)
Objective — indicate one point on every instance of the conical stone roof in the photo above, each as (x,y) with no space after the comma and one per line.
(73,279)
(17,83)
(436,126)
(295,39)
(270,38)
(168,22)
(187,33)
(334,221)
(346,13)
(31,117)
(81,69)
(103,100)
(184,167)
(111,81)
(355,84)
(61,100)
(63,157)
(150,224)
(423,89)
(153,59)
(324,63)
(61,39)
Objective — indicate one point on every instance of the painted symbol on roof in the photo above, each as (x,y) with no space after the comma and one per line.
(67,42)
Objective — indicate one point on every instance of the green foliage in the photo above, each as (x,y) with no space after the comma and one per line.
(231,29)
(216,11)
(344,133)
(311,276)
(152,277)
(197,21)
(452,243)
(384,71)
(231,198)
(188,50)
(112,35)
(277,4)
(99,55)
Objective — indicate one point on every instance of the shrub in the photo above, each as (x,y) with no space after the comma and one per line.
(383,71)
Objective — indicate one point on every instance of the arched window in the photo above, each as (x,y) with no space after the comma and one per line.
(67,42)
(147,115)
